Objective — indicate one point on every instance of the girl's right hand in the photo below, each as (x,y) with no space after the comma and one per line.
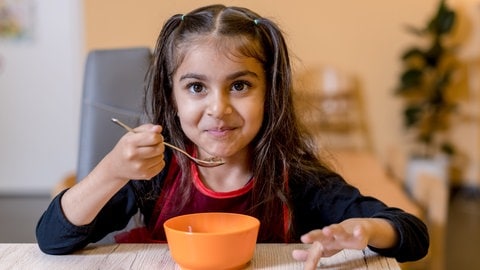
(137,156)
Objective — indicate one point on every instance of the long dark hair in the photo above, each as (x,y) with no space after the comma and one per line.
(281,149)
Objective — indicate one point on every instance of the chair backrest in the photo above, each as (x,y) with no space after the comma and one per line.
(332,107)
(113,87)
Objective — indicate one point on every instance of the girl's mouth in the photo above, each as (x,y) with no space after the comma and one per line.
(220,132)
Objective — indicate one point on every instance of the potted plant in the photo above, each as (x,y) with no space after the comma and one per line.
(426,86)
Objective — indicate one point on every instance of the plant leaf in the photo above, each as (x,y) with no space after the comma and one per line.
(412,53)
(443,21)
(412,115)
(411,78)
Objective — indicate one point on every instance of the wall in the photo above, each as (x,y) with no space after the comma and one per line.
(364,38)
(40,86)
(40,82)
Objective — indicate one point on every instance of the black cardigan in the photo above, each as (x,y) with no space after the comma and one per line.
(313,208)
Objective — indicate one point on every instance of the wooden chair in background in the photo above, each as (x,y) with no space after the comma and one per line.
(331,105)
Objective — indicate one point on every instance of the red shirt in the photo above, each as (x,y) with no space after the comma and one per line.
(203,199)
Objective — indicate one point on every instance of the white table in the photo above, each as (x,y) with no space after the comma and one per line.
(157,256)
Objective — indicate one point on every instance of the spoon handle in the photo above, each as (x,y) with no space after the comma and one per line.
(196,160)
(116,121)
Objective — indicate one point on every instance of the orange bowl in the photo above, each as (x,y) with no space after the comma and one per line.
(212,240)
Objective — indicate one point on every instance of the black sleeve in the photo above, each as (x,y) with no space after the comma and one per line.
(336,200)
(56,235)
(413,238)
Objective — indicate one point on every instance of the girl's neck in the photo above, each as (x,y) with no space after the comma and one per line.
(233,175)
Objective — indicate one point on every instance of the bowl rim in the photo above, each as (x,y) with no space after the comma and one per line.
(256,223)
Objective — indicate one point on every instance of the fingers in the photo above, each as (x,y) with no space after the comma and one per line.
(143,145)
(310,257)
(147,135)
(315,252)
(148,128)
(324,236)
(148,151)
(330,240)
(336,233)
(352,237)
(300,255)
(337,237)
(139,154)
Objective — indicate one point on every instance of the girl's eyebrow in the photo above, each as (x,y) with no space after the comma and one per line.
(242,73)
(193,76)
(229,77)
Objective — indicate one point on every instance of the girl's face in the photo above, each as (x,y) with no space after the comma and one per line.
(220,99)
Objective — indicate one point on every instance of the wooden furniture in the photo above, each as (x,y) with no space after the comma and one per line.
(364,171)
(157,256)
(330,103)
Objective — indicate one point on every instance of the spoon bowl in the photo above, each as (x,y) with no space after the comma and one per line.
(210,162)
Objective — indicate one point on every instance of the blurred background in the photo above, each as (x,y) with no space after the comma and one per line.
(348,65)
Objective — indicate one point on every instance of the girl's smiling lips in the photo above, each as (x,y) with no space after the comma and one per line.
(220,132)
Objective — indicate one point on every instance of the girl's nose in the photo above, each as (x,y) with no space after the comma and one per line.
(219,105)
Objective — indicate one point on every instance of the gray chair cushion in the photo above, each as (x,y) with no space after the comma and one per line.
(113,87)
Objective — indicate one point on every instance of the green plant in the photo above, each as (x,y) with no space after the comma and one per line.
(426,83)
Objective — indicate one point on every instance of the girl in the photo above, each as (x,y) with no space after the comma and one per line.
(220,84)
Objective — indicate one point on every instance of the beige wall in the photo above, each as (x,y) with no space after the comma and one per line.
(362,37)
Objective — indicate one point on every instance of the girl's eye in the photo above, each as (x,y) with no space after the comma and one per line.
(240,86)
(195,87)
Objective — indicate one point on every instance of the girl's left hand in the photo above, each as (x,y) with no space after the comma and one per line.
(350,234)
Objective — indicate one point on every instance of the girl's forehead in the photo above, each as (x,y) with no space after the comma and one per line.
(204,58)
(236,46)
(217,57)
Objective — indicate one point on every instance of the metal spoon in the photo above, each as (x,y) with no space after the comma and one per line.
(211,162)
